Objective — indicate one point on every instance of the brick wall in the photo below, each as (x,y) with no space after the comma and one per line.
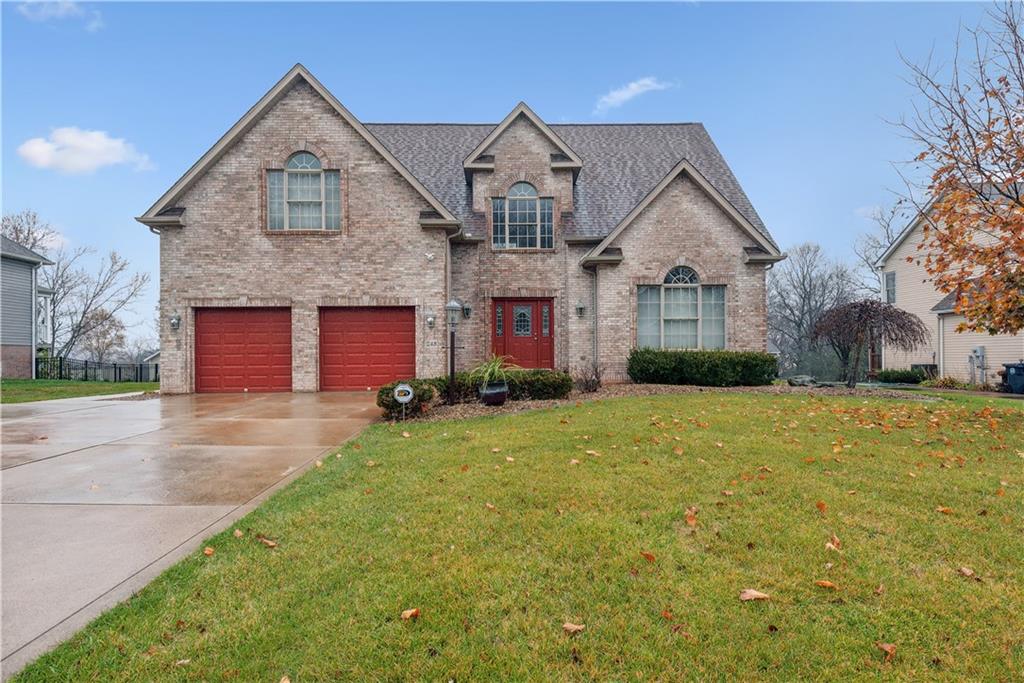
(16,361)
(223,257)
(682,226)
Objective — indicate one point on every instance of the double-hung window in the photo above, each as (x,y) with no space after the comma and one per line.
(522,220)
(303,196)
(890,287)
(681,313)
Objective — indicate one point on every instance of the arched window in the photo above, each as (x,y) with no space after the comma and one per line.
(522,220)
(303,196)
(681,313)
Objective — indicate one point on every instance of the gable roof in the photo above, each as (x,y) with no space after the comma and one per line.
(622,163)
(902,237)
(684,167)
(11,249)
(571,160)
(160,213)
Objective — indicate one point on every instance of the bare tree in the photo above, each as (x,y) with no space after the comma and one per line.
(97,298)
(851,328)
(800,290)
(969,125)
(104,338)
(869,247)
(29,230)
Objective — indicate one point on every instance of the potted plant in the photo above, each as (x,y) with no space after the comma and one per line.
(492,377)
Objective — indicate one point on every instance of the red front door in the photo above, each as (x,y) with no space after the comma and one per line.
(524,330)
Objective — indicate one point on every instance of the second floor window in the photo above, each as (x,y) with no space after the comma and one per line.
(890,287)
(522,220)
(303,196)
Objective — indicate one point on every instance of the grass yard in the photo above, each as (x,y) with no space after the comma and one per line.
(26,390)
(501,530)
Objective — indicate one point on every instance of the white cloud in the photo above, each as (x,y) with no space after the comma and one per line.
(57,10)
(73,150)
(619,96)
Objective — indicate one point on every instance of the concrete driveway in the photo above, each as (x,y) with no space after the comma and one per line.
(101,495)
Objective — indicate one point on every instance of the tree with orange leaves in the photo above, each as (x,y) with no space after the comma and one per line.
(971,129)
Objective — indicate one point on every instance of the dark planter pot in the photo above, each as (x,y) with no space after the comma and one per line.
(494,393)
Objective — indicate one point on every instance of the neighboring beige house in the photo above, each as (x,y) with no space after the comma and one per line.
(967,356)
(309,251)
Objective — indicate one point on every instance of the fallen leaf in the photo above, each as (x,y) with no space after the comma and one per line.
(751,594)
(319,463)
(285,679)
(666,615)
(409,614)
(822,506)
(208,551)
(911,475)
(691,516)
(888,648)
(835,542)
(826,584)
(880,589)
(765,468)
(509,458)
(1000,492)
(267,542)
(572,629)
(727,492)
(969,573)
(464,468)
(592,453)
(678,628)
(370,463)
(647,556)
(490,506)
(406,435)
(239,533)
(678,450)
(944,510)
(495,450)
(182,662)
(574,461)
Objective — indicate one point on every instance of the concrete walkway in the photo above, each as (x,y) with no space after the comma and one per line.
(100,496)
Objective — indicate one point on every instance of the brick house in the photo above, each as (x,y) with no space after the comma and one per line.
(309,251)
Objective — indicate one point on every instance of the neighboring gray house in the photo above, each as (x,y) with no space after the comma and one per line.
(20,296)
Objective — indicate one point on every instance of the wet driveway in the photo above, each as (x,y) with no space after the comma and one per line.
(99,495)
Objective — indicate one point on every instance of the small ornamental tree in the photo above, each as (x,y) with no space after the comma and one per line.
(850,329)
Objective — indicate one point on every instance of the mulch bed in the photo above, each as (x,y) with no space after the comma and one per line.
(440,411)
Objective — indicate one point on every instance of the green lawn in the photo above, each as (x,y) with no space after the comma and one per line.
(498,549)
(25,390)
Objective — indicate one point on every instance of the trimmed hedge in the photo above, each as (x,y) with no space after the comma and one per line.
(901,376)
(423,394)
(702,368)
(523,385)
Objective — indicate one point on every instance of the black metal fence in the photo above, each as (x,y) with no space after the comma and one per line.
(91,371)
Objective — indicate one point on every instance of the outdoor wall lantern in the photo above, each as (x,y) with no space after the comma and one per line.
(580,308)
(467,310)
(453,309)
(430,317)
(175,321)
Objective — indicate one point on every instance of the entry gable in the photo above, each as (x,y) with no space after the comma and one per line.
(564,158)
(768,252)
(164,213)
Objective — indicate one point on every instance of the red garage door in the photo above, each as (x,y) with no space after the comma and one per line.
(366,347)
(243,349)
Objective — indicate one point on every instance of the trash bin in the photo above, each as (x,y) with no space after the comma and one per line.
(1014,377)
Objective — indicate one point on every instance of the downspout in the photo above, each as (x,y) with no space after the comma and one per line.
(33,312)
(594,304)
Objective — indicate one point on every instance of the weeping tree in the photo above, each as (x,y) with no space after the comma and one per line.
(851,328)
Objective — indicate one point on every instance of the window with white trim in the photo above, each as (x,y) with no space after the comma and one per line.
(681,313)
(522,220)
(303,196)
(890,287)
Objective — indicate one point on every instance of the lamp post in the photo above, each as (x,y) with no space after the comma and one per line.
(453,310)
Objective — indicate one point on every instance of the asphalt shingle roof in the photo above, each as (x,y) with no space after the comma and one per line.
(12,249)
(621,164)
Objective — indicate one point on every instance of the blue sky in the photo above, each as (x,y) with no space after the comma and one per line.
(105,105)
